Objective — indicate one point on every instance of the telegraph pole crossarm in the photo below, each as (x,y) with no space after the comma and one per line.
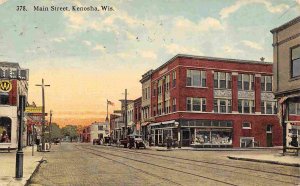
(43,114)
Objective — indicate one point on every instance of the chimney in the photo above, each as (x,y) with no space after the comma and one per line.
(262,59)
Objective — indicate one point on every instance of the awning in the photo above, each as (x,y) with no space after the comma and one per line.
(168,122)
(154,124)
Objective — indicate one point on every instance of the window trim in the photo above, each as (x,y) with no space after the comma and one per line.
(291,62)
(201,78)
(201,104)
(250,126)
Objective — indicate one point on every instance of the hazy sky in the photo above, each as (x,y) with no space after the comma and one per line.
(88,57)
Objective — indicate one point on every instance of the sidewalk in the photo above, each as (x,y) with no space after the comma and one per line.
(8,166)
(278,158)
(214,149)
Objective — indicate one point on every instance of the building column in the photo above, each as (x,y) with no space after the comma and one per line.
(234,79)
(257,89)
(210,85)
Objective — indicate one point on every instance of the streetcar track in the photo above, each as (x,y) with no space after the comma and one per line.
(250,174)
(207,162)
(141,170)
(176,170)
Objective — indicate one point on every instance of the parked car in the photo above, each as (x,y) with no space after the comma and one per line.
(133,140)
(96,141)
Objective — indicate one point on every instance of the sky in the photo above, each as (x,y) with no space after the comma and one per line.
(89,57)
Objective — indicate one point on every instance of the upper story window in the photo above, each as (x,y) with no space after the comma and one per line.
(268,107)
(295,61)
(159,88)
(167,106)
(266,83)
(4,99)
(222,105)
(173,78)
(174,105)
(100,127)
(294,108)
(167,83)
(246,106)
(245,82)
(195,104)
(222,80)
(196,78)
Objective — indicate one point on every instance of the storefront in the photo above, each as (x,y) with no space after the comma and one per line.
(162,130)
(206,133)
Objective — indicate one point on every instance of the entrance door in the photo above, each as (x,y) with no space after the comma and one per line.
(186,137)
(269,136)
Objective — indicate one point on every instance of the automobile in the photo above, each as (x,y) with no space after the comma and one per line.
(96,141)
(135,141)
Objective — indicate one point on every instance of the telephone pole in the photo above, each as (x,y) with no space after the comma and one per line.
(43,114)
(126,113)
(20,154)
(50,128)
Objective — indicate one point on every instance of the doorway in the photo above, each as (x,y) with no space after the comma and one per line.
(269,136)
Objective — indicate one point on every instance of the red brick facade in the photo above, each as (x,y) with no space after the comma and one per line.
(180,64)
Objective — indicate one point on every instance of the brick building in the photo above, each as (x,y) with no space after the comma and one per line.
(214,102)
(13,84)
(286,45)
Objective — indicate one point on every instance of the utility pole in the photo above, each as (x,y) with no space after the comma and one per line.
(50,128)
(20,154)
(43,114)
(125,113)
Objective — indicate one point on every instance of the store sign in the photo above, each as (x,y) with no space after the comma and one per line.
(14,73)
(33,109)
(5,86)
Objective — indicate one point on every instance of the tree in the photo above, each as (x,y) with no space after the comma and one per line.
(71,131)
(56,132)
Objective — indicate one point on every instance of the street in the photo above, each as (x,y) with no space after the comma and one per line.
(85,164)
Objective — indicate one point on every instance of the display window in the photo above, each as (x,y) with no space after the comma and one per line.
(213,136)
(5,130)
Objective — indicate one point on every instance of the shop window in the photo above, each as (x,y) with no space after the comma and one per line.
(196,78)
(246,125)
(294,108)
(5,130)
(295,61)
(247,142)
(4,99)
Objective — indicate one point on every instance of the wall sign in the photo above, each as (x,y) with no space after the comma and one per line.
(5,86)
(14,73)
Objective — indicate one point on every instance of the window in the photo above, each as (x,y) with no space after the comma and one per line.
(222,105)
(246,106)
(268,107)
(167,106)
(167,84)
(159,109)
(5,130)
(100,127)
(174,105)
(246,125)
(222,80)
(295,61)
(245,82)
(196,78)
(4,99)
(196,104)
(266,83)
(269,128)
(294,108)
(154,92)
(174,79)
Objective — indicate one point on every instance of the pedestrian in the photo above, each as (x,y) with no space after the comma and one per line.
(150,141)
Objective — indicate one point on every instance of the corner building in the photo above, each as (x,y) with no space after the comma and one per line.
(214,102)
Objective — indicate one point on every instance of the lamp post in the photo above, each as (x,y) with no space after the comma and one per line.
(20,154)
(50,128)
(43,113)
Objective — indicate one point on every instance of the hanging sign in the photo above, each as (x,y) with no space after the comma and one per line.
(5,86)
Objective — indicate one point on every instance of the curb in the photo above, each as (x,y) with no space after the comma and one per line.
(35,171)
(265,161)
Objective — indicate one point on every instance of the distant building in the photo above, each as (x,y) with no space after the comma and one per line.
(214,102)
(286,43)
(98,130)
(13,83)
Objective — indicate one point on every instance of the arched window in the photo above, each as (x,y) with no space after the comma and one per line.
(5,130)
